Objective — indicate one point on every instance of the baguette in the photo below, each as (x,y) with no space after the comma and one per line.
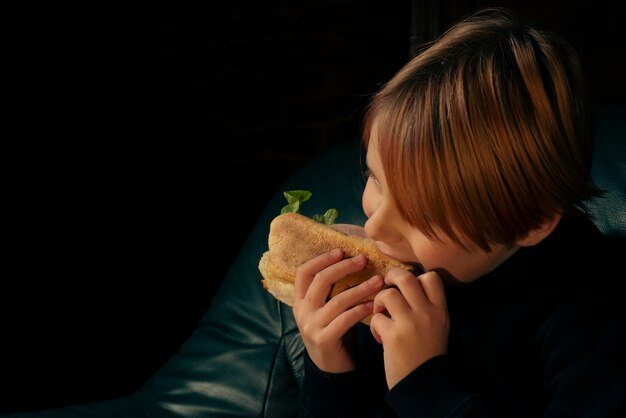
(294,239)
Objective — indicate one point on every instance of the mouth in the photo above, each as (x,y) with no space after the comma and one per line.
(384,248)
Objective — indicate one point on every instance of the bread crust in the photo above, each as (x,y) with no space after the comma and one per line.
(294,239)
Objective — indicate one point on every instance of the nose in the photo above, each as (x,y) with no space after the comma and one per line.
(381,224)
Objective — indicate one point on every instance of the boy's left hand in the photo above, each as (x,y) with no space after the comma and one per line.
(410,321)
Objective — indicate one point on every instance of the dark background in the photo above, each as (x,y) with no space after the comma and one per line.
(168,128)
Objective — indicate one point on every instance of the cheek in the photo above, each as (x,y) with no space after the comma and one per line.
(448,259)
(432,254)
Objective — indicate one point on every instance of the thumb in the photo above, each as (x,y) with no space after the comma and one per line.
(378,324)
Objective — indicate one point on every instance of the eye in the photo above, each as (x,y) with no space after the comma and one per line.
(372,178)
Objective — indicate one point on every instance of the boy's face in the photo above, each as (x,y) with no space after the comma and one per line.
(395,237)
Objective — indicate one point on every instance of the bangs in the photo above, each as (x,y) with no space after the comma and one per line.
(412,143)
(480,148)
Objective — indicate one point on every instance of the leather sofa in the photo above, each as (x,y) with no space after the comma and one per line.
(245,357)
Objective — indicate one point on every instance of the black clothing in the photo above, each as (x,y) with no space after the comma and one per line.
(541,335)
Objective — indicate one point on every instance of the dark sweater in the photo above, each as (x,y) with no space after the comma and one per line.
(542,335)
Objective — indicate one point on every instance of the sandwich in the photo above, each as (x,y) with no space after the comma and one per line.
(295,238)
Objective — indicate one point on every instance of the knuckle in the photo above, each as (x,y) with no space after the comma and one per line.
(361,290)
(400,277)
(305,329)
(319,339)
(299,312)
(362,307)
(429,275)
(405,278)
(300,270)
(336,301)
(319,276)
(344,299)
(387,294)
(382,298)
(375,320)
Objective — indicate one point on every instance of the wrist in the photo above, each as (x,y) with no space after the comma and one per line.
(334,364)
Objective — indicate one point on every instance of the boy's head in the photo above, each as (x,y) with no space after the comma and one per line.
(484,134)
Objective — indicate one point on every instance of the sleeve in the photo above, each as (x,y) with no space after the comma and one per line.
(584,361)
(583,371)
(432,389)
(332,395)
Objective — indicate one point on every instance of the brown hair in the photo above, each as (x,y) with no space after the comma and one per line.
(484,134)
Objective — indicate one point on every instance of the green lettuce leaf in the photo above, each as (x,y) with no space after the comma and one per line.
(295,199)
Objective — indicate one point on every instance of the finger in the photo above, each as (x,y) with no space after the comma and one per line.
(322,282)
(392,301)
(349,298)
(408,285)
(307,271)
(433,287)
(346,320)
(379,326)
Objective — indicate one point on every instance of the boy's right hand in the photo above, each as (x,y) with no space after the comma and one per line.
(324,323)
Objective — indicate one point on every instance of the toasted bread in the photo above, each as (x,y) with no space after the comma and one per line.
(295,239)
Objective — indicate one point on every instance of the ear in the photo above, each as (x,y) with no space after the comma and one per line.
(537,235)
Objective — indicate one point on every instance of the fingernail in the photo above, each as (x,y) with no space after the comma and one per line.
(369,305)
(359,259)
(336,252)
(376,280)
